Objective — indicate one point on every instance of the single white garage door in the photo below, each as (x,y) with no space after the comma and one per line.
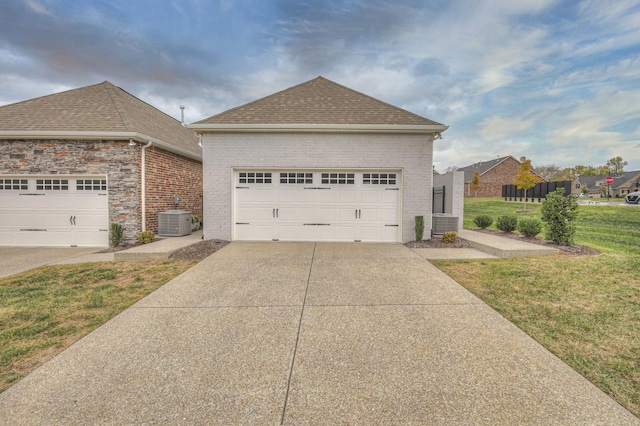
(317,205)
(54,211)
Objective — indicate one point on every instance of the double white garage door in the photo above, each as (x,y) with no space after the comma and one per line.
(317,205)
(58,211)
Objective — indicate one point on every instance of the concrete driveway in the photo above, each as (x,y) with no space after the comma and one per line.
(306,333)
(18,259)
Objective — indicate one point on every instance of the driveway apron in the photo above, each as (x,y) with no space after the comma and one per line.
(309,333)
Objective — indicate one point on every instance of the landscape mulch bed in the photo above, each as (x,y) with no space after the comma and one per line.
(436,242)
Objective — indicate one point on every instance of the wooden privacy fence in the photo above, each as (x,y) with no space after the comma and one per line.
(540,191)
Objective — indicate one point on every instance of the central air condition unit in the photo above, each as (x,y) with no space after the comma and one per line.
(174,223)
(443,222)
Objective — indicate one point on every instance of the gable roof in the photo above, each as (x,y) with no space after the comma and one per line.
(621,180)
(92,112)
(482,167)
(316,105)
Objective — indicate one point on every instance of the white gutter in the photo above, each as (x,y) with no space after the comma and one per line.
(78,135)
(316,128)
(143,181)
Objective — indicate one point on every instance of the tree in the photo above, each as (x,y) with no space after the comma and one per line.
(616,165)
(475,183)
(525,179)
(550,172)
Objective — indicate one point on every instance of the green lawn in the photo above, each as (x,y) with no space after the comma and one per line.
(44,310)
(584,309)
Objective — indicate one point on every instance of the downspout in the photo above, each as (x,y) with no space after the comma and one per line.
(143,171)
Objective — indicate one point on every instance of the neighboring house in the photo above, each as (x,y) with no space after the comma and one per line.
(72,163)
(493,174)
(623,184)
(317,162)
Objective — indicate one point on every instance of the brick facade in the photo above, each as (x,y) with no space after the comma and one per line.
(223,152)
(169,175)
(492,180)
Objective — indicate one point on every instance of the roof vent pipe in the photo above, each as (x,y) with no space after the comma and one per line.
(182,114)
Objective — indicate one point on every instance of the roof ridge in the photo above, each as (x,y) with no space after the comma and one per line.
(49,95)
(110,88)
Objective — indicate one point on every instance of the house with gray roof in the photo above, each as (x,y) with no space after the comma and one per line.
(623,184)
(317,162)
(74,162)
(493,174)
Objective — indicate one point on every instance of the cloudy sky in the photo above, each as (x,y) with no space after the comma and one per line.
(555,81)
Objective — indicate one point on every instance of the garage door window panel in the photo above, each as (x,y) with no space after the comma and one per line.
(91,185)
(379,178)
(14,184)
(254,177)
(338,178)
(52,184)
(296,178)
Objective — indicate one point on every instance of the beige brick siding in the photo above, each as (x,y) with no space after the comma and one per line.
(223,152)
(169,175)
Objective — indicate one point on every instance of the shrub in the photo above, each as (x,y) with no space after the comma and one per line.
(483,221)
(146,237)
(559,213)
(529,227)
(507,223)
(117,230)
(449,237)
(419,228)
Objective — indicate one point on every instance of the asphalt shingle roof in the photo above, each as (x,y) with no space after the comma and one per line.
(318,101)
(481,167)
(98,108)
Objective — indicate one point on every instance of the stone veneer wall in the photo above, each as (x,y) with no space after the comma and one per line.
(114,159)
(169,175)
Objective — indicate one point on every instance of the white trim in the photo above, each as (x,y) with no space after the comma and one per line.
(79,135)
(143,184)
(315,128)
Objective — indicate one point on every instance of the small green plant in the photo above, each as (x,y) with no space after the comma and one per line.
(449,237)
(529,227)
(195,218)
(117,230)
(146,237)
(559,213)
(483,221)
(507,223)
(419,228)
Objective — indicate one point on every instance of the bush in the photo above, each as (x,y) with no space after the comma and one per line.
(559,213)
(449,237)
(419,228)
(146,237)
(507,223)
(529,227)
(117,230)
(483,221)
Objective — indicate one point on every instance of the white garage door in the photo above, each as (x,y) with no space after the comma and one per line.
(54,211)
(317,205)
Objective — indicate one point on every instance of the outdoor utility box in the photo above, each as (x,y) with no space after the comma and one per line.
(174,223)
(443,222)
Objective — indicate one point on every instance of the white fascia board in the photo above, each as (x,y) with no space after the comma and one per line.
(80,135)
(318,128)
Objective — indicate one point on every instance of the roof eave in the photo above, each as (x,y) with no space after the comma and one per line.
(317,128)
(96,135)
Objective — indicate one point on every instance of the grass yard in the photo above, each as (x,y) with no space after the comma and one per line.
(586,310)
(45,310)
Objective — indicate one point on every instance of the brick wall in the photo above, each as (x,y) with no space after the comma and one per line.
(114,159)
(169,175)
(503,174)
(223,152)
